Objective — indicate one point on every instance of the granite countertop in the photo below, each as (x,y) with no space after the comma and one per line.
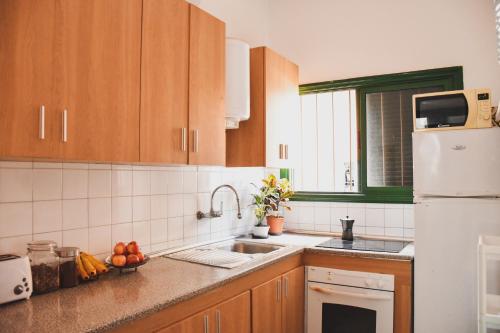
(116,299)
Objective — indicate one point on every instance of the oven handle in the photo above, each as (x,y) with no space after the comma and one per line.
(343,293)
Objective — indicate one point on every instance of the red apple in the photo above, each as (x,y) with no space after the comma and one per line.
(132,259)
(132,248)
(119,260)
(141,256)
(119,248)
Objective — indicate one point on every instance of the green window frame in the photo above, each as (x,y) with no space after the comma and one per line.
(449,78)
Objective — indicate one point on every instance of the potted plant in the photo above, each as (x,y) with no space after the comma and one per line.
(261,229)
(278,193)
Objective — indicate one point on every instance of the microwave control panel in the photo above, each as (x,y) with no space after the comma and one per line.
(484,109)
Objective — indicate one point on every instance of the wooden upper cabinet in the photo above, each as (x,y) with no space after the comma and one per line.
(266,307)
(30,77)
(270,137)
(206,89)
(102,50)
(164,81)
(293,301)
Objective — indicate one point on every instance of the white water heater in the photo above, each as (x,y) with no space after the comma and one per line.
(237,82)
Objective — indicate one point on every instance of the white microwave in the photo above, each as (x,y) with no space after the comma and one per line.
(458,109)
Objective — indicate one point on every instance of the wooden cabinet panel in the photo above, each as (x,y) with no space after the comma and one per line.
(102,47)
(293,301)
(239,151)
(274,116)
(266,307)
(206,89)
(164,81)
(31,65)
(194,324)
(282,110)
(234,316)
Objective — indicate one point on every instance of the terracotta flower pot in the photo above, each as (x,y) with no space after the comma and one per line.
(275,224)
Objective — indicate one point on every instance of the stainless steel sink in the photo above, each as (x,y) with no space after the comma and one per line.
(227,254)
(249,248)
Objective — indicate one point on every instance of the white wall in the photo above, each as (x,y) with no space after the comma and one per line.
(245,19)
(336,39)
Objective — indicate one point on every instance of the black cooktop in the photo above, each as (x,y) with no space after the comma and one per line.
(365,245)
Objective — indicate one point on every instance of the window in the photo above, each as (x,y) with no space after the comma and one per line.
(329,148)
(356,136)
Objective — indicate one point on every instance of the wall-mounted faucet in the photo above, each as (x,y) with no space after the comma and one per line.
(200,215)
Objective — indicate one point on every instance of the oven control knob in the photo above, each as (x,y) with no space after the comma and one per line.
(380,284)
(369,283)
(18,289)
(486,116)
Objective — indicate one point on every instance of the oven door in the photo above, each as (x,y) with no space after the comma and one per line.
(340,309)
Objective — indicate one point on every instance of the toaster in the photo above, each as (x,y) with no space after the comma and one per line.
(15,274)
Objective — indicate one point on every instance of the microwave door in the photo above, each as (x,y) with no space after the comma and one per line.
(457,163)
(441,111)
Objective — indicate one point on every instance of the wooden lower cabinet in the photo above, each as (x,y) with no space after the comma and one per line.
(231,316)
(293,301)
(278,305)
(196,323)
(266,307)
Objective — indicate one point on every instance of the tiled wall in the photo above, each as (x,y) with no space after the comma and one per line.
(92,206)
(370,219)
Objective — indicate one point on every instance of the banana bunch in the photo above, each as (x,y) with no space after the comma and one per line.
(89,266)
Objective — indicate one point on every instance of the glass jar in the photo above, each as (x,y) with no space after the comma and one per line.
(68,274)
(44,266)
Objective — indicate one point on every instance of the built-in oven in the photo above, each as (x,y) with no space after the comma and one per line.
(340,301)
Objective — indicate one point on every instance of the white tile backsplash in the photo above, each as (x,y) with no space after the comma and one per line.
(18,218)
(16,185)
(47,216)
(47,184)
(392,220)
(75,184)
(93,206)
(75,214)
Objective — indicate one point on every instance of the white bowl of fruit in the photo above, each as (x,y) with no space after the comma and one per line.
(127,256)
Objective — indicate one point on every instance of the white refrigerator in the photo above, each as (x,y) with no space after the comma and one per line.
(456,177)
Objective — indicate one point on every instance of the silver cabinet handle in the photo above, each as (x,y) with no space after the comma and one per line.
(278,290)
(195,140)
(217,320)
(205,324)
(184,139)
(281,151)
(286,152)
(65,126)
(41,122)
(286,287)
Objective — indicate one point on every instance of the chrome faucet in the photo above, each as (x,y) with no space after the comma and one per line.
(213,213)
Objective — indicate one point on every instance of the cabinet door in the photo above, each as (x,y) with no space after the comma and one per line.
(293,301)
(233,316)
(282,110)
(103,46)
(164,81)
(206,89)
(266,307)
(30,77)
(199,323)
